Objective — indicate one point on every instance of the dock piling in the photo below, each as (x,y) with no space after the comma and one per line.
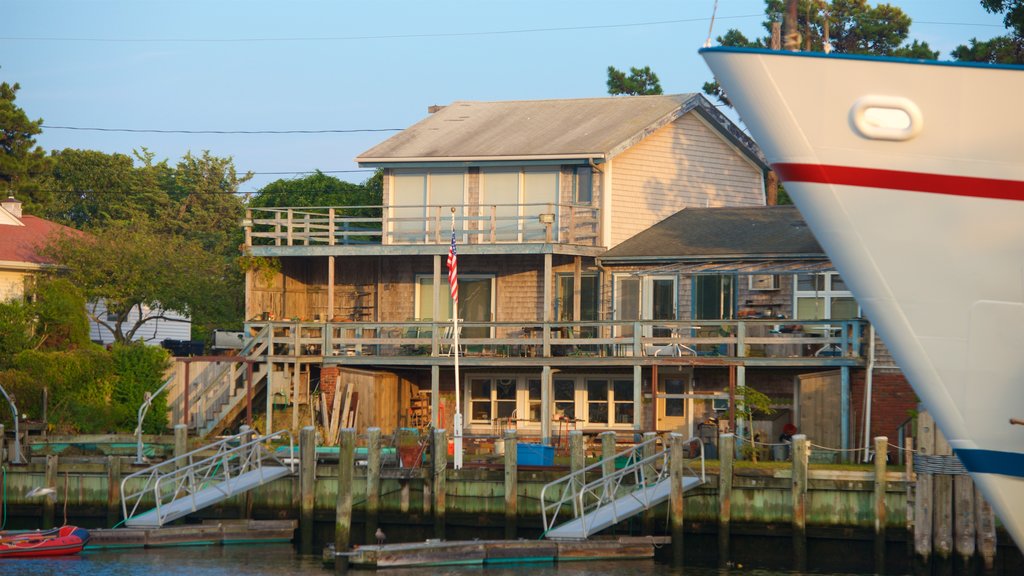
(113,490)
(650,472)
(881,512)
(923,490)
(307,479)
(726,453)
(577,454)
(440,481)
(801,454)
(511,484)
(608,452)
(343,506)
(372,482)
(676,463)
(50,481)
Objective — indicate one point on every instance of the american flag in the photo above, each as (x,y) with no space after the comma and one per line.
(453,271)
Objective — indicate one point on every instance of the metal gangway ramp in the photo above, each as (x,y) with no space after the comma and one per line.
(193,481)
(643,482)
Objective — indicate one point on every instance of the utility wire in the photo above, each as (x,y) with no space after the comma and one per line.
(371,37)
(159,131)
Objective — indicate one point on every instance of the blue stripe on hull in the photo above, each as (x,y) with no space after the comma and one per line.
(993,462)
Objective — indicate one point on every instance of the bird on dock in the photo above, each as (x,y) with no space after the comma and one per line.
(381,537)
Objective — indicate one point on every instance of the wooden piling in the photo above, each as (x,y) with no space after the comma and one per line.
(923,490)
(881,512)
(801,453)
(608,453)
(440,481)
(942,504)
(511,484)
(577,454)
(964,525)
(50,481)
(726,453)
(180,443)
(650,448)
(676,466)
(307,479)
(113,491)
(343,505)
(372,482)
(986,535)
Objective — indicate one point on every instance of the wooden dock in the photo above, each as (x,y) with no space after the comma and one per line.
(208,533)
(480,552)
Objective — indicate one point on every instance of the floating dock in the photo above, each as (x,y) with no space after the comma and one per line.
(207,533)
(480,552)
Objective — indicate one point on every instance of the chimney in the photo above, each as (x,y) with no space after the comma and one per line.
(12,205)
(434,108)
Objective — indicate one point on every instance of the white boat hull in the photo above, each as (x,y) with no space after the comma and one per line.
(924,221)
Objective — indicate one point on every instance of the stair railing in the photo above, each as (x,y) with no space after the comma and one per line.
(637,473)
(143,409)
(186,475)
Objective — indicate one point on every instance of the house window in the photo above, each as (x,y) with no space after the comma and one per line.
(609,402)
(824,296)
(476,302)
(533,395)
(565,398)
(583,185)
(647,298)
(518,198)
(492,399)
(714,297)
(597,401)
(418,197)
(590,293)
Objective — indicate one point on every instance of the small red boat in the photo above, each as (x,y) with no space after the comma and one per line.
(62,541)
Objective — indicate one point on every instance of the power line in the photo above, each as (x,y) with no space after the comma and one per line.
(159,131)
(370,37)
(312,172)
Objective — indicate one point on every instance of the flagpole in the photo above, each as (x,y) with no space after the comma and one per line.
(457,425)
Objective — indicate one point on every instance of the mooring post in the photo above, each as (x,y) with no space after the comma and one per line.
(511,484)
(307,482)
(113,490)
(180,443)
(608,453)
(50,481)
(964,525)
(343,506)
(440,481)
(245,501)
(372,482)
(726,453)
(923,491)
(986,520)
(942,503)
(881,512)
(577,453)
(801,453)
(650,472)
(675,463)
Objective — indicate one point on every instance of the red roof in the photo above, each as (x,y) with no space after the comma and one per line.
(22,243)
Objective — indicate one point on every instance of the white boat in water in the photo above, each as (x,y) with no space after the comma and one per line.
(911,175)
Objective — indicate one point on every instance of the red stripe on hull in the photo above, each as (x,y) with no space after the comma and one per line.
(900,180)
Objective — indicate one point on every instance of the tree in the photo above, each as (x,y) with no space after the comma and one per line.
(319,189)
(1007,49)
(22,163)
(132,266)
(640,82)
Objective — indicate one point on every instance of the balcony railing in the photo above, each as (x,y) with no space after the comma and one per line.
(424,224)
(823,339)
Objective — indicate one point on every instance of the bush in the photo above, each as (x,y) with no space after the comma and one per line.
(140,369)
(15,330)
(60,311)
(80,384)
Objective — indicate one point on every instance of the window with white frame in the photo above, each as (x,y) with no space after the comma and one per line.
(645,298)
(422,197)
(517,198)
(476,302)
(594,401)
(824,296)
(492,399)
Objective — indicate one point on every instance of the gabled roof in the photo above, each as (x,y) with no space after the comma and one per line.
(585,128)
(765,233)
(19,244)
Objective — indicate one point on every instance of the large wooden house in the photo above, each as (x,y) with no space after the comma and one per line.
(570,304)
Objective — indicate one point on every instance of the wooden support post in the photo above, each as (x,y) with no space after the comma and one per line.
(726,453)
(801,453)
(986,520)
(435,397)
(650,471)
(440,481)
(180,443)
(577,453)
(372,482)
(923,496)
(50,481)
(343,506)
(608,453)
(676,463)
(307,486)
(964,525)
(881,512)
(511,484)
(113,490)
(942,504)
(545,405)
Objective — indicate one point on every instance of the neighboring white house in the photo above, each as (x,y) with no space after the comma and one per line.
(20,260)
(175,327)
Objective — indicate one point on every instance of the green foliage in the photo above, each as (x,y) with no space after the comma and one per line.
(1007,49)
(640,82)
(79,382)
(60,312)
(139,370)
(322,190)
(16,330)
(22,163)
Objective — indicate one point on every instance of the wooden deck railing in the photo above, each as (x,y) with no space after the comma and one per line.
(425,224)
(823,339)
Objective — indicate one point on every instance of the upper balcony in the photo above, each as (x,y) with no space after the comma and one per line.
(571,225)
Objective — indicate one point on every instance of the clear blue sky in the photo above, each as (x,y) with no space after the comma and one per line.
(334,64)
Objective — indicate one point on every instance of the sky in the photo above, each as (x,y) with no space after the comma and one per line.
(344,65)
